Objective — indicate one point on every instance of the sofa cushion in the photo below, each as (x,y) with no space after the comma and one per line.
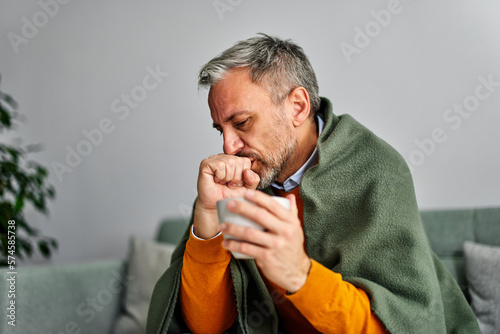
(147,261)
(447,230)
(76,298)
(483,275)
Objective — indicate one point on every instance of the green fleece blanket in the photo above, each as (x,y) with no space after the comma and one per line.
(361,220)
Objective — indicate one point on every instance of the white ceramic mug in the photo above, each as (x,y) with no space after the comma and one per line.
(226,216)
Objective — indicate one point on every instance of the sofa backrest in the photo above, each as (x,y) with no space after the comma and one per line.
(447,230)
(171,230)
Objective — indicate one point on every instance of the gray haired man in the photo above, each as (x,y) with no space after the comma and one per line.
(349,256)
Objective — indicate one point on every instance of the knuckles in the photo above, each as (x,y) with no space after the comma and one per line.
(287,232)
(203,163)
(222,160)
(278,243)
(246,161)
(231,163)
(266,256)
(248,233)
(220,164)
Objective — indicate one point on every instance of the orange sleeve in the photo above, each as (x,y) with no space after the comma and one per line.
(329,303)
(207,294)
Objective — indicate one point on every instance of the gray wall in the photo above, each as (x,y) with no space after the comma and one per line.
(401,78)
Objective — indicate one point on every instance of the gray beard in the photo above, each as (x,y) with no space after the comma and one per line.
(275,164)
(271,173)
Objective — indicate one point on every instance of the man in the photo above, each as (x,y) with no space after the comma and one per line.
(350,256)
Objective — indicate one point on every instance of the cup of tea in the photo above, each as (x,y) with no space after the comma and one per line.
(226,216)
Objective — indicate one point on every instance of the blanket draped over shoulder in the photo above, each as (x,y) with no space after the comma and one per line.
(361,220)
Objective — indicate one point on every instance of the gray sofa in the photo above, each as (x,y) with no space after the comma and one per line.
(81,298)
(447,230)
(87,297)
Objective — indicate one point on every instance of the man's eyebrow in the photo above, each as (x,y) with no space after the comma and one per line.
(230,118)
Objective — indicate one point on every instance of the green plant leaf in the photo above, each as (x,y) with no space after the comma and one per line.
(5,118)
(22,182)
(44,248)
(19,204)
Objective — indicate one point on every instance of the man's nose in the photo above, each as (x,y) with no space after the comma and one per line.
(232,143)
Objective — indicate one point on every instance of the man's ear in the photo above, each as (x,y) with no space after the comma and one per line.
(299,98)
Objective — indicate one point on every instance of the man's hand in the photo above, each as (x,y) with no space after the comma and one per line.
(220,176)
(278,251)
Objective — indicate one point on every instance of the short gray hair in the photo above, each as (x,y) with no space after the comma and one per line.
(279,65)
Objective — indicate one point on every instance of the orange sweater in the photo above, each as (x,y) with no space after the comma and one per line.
(324,304)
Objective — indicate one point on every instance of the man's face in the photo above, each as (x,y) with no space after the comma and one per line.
(252,125)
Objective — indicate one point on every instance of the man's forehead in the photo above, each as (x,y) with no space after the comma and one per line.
(236,95)
(226,106)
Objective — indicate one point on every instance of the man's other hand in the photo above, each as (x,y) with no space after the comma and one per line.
(279,249)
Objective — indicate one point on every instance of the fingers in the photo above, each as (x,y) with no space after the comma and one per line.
(243,247)
(293,204)
(260,215)
(248,234)
(265,211)
(250,179)
(230,170)
(265,201)
(214,168)
(237,179)
(230,166)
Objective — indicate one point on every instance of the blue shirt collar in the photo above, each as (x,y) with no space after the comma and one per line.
(293,181)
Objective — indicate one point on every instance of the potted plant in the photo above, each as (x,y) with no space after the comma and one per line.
(22,182)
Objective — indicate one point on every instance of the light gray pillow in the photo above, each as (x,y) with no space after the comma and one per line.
(147,261)
(483,275)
